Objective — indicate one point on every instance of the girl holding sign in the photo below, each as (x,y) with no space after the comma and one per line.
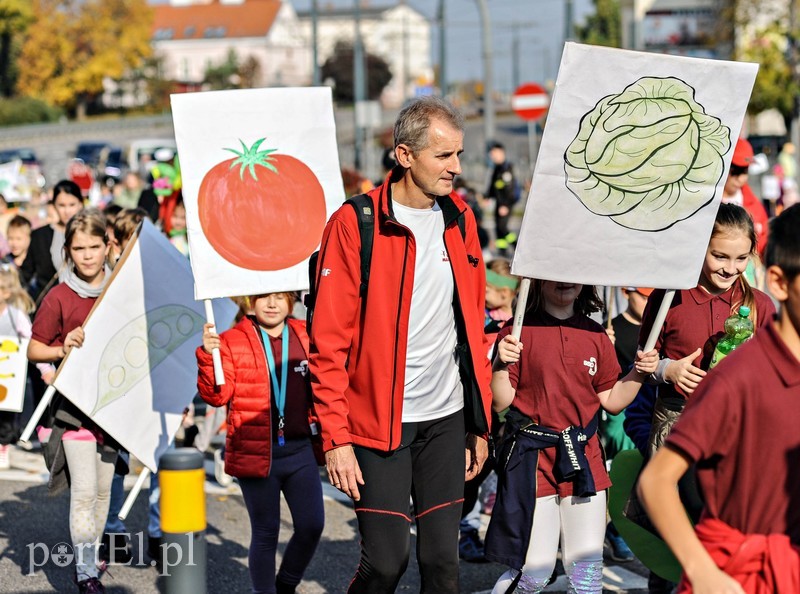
(89,453)
(270,429)
(696,318)
(555,378)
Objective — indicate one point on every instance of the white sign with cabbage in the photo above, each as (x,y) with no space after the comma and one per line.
(629,175)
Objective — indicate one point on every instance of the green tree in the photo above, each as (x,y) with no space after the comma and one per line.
(604,27)
(15,16)
(224,75)
(339,68)
(231,73)
(776,87)
(72,45)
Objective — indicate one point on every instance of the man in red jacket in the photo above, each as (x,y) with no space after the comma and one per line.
(399,371)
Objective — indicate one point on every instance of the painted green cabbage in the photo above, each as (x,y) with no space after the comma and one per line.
(647,157)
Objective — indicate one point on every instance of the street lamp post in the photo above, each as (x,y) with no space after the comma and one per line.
(358,85)
(315,77)
(488,72)
(442,51)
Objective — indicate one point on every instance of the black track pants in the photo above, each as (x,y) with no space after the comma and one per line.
(428,467)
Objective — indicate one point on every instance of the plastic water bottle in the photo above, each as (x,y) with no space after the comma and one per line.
(738,329)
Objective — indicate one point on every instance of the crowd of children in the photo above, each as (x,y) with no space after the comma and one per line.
(560,392)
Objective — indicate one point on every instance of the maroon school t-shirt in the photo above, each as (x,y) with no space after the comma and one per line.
(564,365)
(741,427)
(298,393)
(61,311)
(696,319)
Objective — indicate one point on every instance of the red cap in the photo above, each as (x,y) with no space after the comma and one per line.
(742,154)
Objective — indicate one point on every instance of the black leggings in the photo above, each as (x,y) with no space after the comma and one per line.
(294,472)
(428,467)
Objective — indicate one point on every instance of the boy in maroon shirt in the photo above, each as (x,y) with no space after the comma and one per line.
(740,429)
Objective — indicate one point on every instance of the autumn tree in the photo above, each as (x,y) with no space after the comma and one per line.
(339,68)
(72,45)
(604,27)
(15,16)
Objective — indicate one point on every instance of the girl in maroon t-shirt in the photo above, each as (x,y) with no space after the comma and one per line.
(555,387)
(57,329)
(695,320)
(270,431)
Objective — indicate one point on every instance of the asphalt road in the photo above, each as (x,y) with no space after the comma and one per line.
(28,516)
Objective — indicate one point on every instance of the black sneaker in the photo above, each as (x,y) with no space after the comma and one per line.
(155,551)
(470,547)
(91,586)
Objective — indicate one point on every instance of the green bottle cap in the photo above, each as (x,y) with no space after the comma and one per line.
(744,311)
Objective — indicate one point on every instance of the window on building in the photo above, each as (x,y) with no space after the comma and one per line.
(165,33)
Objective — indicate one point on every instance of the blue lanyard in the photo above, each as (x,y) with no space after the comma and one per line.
(279,390)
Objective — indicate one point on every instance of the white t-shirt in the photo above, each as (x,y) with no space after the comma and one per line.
(432,383)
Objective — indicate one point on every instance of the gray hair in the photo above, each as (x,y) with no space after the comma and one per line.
(411,127)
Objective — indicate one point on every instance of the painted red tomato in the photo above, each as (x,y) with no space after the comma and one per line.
(261,210)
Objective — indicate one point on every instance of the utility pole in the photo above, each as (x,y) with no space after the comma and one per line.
(488,72)
(794,133)
(515,80)
(359,94)
(569,29)
(315,77)
(442,51)
(406,58)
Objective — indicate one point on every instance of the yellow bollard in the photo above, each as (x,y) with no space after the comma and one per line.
(183,521)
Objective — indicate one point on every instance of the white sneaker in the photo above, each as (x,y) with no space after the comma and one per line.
(5,462)
(223,479)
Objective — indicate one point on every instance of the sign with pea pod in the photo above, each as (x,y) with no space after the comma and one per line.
(136,372)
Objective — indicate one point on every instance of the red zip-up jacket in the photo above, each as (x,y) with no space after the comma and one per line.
(247,392)
(761,563)
(358,345)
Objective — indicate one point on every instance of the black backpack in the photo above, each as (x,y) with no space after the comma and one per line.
(366,230)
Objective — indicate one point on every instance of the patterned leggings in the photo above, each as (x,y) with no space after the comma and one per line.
(580,524)
(91,469)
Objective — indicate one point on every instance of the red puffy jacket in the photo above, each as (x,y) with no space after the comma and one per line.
(247,392)
(358,350)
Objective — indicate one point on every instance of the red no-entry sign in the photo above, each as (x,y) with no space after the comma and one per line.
(530,101)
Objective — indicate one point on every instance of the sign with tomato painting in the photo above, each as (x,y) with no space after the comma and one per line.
(13,372)
(136,371)
(260,171)
(632,165)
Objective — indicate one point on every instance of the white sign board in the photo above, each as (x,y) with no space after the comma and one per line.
(261,177)
(136,371)
(630,173)
(13,372)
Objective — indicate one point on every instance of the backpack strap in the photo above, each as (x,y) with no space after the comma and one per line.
(365,214)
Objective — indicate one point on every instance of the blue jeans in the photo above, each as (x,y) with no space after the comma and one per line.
(116,526)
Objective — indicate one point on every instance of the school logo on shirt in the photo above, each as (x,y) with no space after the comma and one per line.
(302,368)
(444,256)
(592,365)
